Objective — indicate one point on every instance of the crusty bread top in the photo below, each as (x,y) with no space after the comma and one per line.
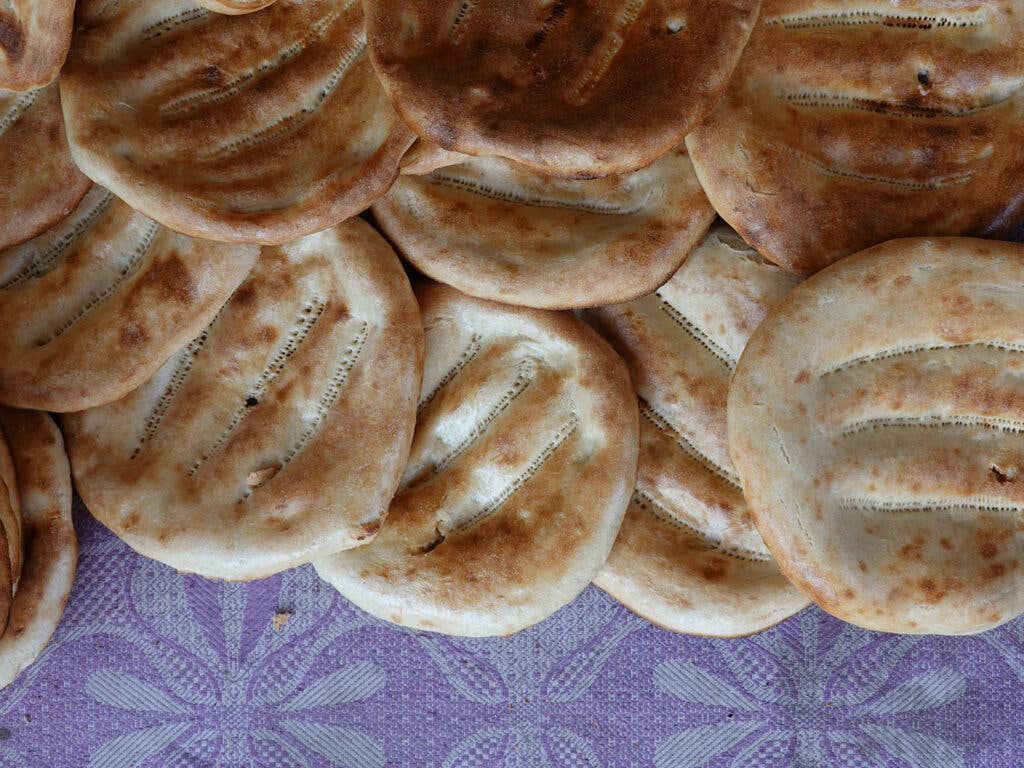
(876,419)
(50,546)
(571,88)
(256,128)
(521,468)
(846,125)
(279,433)
(39,182)
(688,557)
(34,39)
(497,230)
(91,308)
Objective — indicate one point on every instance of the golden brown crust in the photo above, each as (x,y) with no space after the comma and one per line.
(234,7)
(50,545)
(34,39)
(256,128)
(876,420)
(688,556)
(494,229)
(521,468)
(579,89)
(92,308)
(846,126)
(11,526)
(39,182)
(280,433)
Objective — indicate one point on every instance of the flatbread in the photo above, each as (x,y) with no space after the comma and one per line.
(497,230)
(522,465)
(876,419)
(256,128)
(234,7)
(50,545)
(568,88)
(279,434)
(11,526)
(39,182)
(688,557)
(848,125)
(34,39)
(92,308)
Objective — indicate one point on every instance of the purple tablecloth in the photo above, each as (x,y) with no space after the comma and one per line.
(158,670)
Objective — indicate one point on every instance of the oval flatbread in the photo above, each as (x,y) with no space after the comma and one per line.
(256,128)
(34,39)
(11,525)
(90,309)
(50,545)
(522,465)
(580,89)
(876,419)
(277,435)
(848,125)
(497,230)
(39,182)
(688,557)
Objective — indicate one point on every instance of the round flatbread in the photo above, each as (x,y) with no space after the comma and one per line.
(522,465)
(279,434)
(34,39)
(688,557)
(567,88)
(11,525)
(234,7)
(256,128)
(50,546)
(90,309)
(845,126)
(39,182)
(497,230)
(876,419)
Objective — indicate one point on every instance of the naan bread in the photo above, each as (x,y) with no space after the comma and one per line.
(688,557)
(497,230)
(34,39)
(522,465)
(570,88)
(50,546)
(278,434)
(257,128)
(876,419)
(846,125)
(39,182)
(92,308)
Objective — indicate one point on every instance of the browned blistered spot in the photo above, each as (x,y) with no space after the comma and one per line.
(133,334)
(989,549)
(913,551)
(212,74)
(946,543)
(244,295)
(863,566)
(267,334)
(714,569)
(995,617)
(131,521)
(341,314)
(169,278)
(12,40)
(901,281)
(849,594)
(996,570)
(802,378)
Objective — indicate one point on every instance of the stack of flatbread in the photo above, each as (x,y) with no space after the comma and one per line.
(432,294)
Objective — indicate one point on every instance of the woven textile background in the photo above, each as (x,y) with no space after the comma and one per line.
(154,669)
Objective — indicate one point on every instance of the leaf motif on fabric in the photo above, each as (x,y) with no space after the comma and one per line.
(917,750)
(695,747)
(864,675)
(134,748)
(758,671)
(566,749)
(929,690)
(688,682)
(352,683)
(343,747)
(127,692)
(471,676)
(578,672)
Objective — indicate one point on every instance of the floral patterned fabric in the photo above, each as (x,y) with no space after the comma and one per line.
(153,669)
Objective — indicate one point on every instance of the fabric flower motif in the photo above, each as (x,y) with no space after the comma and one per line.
(528,679)
(809,694)
(220,696)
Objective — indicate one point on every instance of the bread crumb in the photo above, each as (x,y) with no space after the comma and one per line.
(279,619)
